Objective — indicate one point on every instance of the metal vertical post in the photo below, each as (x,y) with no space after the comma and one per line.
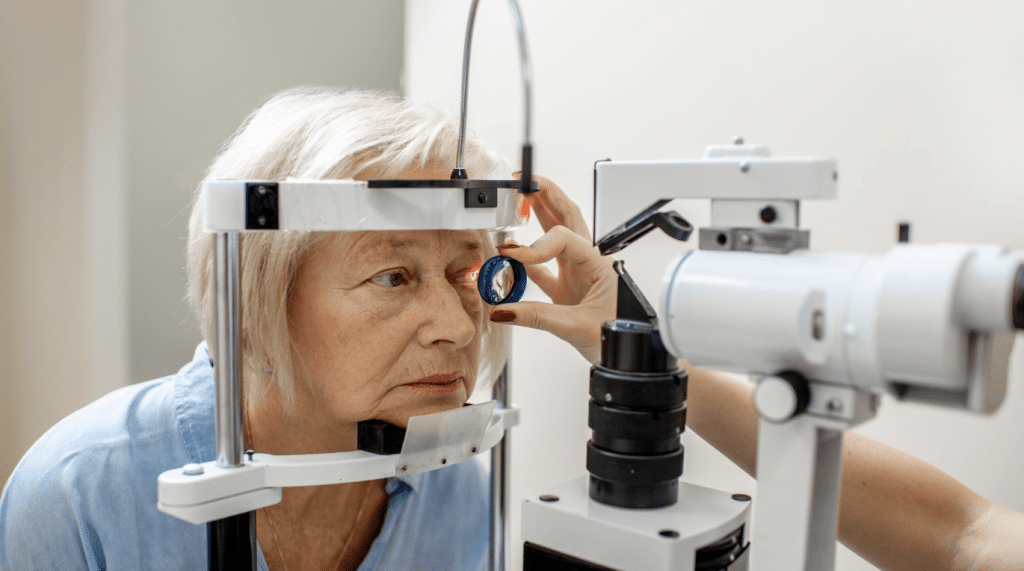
(500,462)
(501,456)
(232,540)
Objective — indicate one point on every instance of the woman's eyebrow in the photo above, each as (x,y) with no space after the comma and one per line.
(401,244)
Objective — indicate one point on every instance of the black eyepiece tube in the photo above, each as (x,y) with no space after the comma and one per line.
(1018,299)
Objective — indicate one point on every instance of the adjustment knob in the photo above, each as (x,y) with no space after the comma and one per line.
(779,398)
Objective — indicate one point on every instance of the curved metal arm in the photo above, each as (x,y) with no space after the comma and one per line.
(527,75)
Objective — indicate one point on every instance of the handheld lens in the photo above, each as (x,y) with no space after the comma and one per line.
(502,280)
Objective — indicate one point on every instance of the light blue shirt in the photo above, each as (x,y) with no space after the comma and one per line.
(84,496)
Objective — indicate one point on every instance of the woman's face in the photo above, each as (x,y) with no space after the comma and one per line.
(386,325)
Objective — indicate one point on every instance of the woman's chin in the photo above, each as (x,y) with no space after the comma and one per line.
(430,405)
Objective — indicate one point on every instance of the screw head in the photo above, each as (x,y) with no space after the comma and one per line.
(744,166)
(261,189)
(835,405)
(669,533)
(737,140)
(549,498)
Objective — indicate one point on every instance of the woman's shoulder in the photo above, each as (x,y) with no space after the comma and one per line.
(95,470)
(128,424)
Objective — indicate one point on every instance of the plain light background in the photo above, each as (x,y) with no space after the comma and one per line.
(110,112)
(922,104)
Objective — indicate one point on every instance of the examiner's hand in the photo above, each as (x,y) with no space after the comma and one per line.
(585,290)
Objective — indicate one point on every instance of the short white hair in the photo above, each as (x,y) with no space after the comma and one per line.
(322,133)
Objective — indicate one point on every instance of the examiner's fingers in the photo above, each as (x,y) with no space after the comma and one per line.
(554,208)
(558,241)
(566,322)
(545,280)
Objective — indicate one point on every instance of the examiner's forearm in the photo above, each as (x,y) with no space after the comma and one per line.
(896,511)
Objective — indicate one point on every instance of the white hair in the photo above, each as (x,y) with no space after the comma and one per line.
(322,133)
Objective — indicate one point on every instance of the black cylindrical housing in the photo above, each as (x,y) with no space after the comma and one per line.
(634,481)
(638,390)
(637,414)
(634,347)
(636,431)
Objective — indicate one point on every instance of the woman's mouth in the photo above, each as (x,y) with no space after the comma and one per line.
(443,384)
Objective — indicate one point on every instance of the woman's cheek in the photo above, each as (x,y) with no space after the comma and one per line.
(472,302)
(382,306)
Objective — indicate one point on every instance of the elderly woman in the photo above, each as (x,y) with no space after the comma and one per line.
(344,327)
(337,328)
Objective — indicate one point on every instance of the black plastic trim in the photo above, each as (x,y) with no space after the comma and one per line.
(261,206)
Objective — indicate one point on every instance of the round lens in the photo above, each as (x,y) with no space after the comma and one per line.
(504,278)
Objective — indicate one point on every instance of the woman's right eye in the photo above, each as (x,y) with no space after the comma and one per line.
(390,278)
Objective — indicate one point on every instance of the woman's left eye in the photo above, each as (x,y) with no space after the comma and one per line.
(390,279)
(468,276)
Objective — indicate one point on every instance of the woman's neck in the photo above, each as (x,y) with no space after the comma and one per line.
(312,524)
(271,429)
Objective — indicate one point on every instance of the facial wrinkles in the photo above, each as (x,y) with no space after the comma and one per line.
(411,311)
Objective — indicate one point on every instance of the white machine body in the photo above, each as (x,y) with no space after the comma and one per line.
(200,493)
(822,334)
(928,323)
(738,178)
(566,520)
(329,205)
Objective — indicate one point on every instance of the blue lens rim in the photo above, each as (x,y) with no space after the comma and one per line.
(486,279)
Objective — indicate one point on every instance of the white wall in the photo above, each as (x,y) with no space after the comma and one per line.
(921,103)
(44,301)
(110,111)
(196,69)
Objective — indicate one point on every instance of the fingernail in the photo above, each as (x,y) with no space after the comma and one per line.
(504,247)
(503,316)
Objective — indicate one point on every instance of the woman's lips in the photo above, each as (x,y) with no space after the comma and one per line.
(443,384)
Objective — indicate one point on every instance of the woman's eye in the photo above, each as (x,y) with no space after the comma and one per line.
(468,277)
(390,279)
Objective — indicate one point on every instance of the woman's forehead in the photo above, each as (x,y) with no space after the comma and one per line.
(368,243)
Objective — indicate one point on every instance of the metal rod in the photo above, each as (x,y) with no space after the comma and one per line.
(228,357)
(500,463)
(465,83)
(526,71)
(232,540)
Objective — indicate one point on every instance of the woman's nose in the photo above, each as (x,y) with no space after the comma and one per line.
(445,317)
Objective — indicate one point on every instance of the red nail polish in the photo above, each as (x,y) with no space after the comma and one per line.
(503,316)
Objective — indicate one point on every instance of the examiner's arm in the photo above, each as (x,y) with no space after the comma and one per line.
(896,511)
